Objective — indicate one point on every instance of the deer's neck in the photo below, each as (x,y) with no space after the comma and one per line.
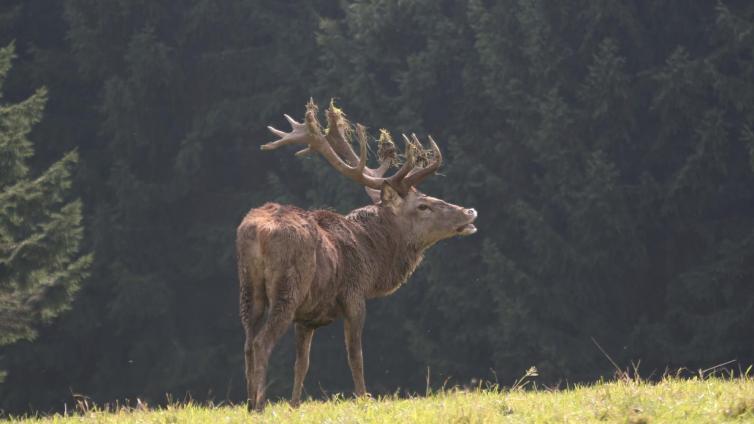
(388,257)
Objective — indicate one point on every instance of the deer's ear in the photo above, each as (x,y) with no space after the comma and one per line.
(390,197)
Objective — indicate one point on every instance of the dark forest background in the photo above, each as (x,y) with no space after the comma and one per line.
(607,145)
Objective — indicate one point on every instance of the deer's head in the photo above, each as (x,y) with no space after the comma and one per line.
(424,219)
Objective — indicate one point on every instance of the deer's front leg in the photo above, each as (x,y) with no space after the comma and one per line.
(303,347)
(355,313)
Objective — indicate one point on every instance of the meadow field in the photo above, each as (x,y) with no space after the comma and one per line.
(703,400)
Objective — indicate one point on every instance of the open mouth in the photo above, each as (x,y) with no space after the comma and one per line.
(465,230)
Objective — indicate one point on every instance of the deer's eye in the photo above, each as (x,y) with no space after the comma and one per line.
(423,207)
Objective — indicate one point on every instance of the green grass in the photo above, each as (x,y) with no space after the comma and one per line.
(707,400)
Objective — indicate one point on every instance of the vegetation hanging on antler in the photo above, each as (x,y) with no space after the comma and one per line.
(334,144)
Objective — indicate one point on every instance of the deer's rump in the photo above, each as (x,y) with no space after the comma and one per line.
(290,262)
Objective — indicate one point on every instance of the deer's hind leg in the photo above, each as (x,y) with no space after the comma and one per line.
(253,303)
(282,296)
(304,337)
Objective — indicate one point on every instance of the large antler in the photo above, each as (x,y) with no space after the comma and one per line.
(337,150)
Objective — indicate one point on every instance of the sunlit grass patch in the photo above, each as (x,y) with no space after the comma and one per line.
(627,401)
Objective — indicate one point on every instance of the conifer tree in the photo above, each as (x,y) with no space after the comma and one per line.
(40,226)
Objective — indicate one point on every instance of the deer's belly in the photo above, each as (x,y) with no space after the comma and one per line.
(318,314)
(317,319)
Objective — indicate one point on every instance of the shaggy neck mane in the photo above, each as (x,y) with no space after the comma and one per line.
(386,257)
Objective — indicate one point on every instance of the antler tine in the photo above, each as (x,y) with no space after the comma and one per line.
(309,134)
(417,176)
(380,171)
(410,152)
(293,137)
(385,153)
(336,133)
(306,151)
(361,132)
(292,121)
(396,180)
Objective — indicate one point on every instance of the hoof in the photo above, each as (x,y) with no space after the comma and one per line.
(258,407)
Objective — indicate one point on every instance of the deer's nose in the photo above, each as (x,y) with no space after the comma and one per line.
(471,212)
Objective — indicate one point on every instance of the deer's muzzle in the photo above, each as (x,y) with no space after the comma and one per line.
(468,228)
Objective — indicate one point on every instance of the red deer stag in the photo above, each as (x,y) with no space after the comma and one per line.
(312,267)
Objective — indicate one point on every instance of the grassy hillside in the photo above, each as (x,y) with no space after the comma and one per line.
(672,400)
